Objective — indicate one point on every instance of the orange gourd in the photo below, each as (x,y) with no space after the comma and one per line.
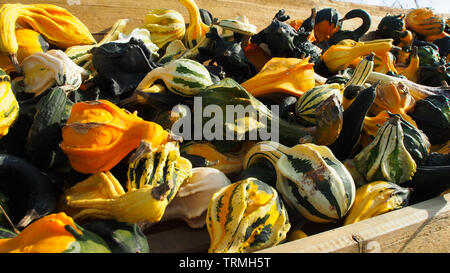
(426,22)
(395,98)
(384,62)
(29,42)
(99,134)
(411,72)
(256,55)
(55,233)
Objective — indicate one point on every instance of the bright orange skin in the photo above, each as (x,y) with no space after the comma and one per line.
(46,235)
(99,134)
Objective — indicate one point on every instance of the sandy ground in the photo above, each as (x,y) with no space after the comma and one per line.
(99,15)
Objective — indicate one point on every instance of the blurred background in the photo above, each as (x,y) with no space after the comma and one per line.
(440,6)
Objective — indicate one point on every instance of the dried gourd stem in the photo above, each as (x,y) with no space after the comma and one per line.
(160,192)
(144,148)
(9,220)
(15,63)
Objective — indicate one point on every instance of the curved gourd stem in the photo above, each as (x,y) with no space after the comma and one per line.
(366,21)
(196,30)
(15,63)
(309,23)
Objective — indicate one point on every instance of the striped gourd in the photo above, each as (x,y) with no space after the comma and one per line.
(154,168)
(196,30)
(376,198)
(184,77)
(425,22)
(246,216)
(165,25)
(309,178)
(256,120)
(386,158)
(306,105)
(362,71)
(154,178)
(9,107)
(415,141)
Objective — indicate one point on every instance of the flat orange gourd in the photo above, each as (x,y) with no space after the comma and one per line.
(54,233)
(99,134)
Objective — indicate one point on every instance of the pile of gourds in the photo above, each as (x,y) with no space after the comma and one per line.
(90,160)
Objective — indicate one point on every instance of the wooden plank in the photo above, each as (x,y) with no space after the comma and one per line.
(423,228)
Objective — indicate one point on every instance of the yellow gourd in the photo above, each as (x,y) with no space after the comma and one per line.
(165,26)
(290,76)
(411,72)
(348,53)
(9,107)
(154,177)
(377,198)
(196,31)
(384,62)
(29,42)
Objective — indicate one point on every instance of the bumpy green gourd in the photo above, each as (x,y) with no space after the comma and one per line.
(119,236)
(246,118)
(386,157)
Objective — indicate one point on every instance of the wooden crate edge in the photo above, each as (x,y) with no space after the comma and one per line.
(390,232)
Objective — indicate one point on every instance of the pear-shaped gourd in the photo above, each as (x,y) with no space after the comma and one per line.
(386,157)
(246,216)
(9,107)
(349,53)
(376,198)
(196,30)
(309,178)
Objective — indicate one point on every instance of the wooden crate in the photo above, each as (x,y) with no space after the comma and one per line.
(423,227)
